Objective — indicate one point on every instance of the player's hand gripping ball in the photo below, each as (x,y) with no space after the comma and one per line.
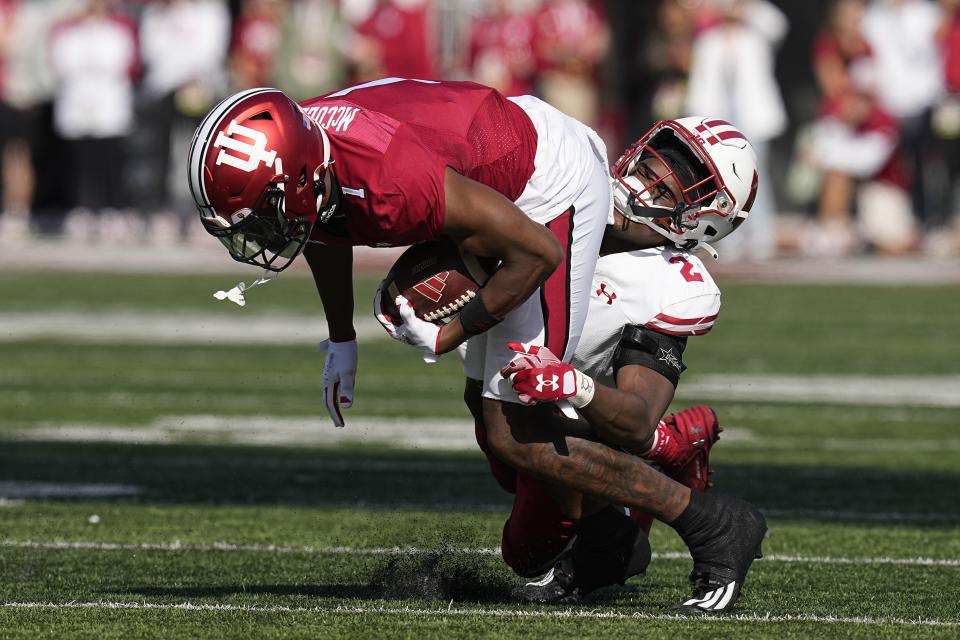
(437,278)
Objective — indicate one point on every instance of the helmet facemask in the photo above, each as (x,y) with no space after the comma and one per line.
(700,192)
(263,236)
(695,181)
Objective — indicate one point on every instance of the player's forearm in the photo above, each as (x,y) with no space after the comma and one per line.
(332,268)
(516,279)
(621,418)
(486,224)
(519,275)
(598,470)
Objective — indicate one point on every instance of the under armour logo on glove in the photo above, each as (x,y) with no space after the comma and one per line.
(537,375)
(551,384)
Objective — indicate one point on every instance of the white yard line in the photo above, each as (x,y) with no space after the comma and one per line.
(20,490)
(925,391)
(391,551)
(451,434)
(238,327)
(412,433)
(205,255)
(199,255)
(487,613)
(242,327)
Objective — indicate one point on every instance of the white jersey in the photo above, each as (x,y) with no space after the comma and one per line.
(664,289)
(569,193)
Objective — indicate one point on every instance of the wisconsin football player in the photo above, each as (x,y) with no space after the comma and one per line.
(644,305)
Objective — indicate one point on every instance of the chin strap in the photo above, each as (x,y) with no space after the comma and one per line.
(678,217)
(700,245)
(236,294)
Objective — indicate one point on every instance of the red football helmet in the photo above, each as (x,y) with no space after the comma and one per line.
(257,165)
(715,167)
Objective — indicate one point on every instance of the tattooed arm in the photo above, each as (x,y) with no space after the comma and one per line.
(527,440)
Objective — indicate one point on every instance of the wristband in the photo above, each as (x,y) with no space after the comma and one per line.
(585,390)
(475,318)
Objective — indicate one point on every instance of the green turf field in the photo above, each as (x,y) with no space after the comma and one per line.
(193,487)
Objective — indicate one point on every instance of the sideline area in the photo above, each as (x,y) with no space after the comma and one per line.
(203,255)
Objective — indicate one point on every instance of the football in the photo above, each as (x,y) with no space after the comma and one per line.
(438,279)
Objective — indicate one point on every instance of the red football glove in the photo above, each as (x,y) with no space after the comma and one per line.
(538,375)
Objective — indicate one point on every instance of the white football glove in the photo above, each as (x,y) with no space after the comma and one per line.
(410,329)
(339,375)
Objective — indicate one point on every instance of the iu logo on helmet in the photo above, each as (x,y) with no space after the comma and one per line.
(433,286)
(251,153)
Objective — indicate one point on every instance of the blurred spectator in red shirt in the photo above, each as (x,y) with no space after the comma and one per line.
(256,38)
(950,44)
(842,58)
(855,145)
(500,50)
(571,38)
(397,39)
(7,10)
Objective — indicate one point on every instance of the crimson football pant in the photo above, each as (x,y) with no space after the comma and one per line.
(538,530)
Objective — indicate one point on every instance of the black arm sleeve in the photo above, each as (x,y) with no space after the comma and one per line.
(651,349)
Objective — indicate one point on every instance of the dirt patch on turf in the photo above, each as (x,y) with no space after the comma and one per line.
(443,574)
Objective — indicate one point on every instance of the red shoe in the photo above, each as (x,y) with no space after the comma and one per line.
(683,446)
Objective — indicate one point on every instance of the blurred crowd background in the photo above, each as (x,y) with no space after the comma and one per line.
(853,105)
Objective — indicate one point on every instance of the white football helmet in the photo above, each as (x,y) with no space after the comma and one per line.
(716,168)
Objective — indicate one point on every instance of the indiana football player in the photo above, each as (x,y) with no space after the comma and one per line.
(394,162)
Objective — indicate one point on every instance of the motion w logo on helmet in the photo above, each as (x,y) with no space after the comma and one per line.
(255,150)
(433,286)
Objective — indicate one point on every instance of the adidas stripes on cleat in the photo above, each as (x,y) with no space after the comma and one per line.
(724,535)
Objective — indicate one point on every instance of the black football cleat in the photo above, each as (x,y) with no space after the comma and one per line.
(722,553)
(600,556)
(558,586)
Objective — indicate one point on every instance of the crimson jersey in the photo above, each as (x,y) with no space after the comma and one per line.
(391,141)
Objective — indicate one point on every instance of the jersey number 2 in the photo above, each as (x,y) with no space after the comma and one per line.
(687,269)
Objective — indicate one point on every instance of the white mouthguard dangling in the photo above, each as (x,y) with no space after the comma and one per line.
(236,294)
